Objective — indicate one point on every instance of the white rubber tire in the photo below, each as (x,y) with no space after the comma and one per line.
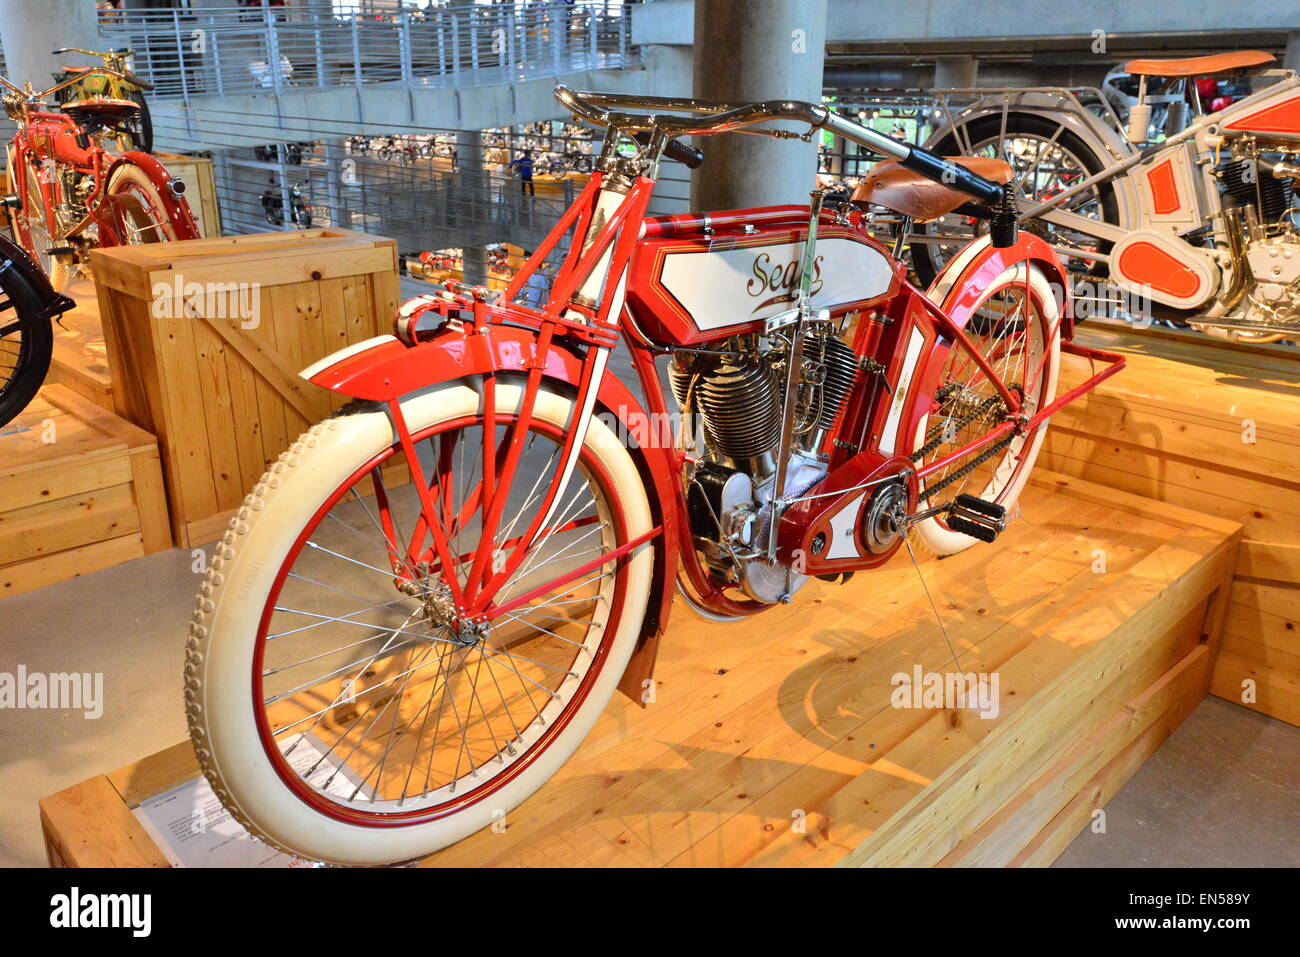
(222,635)
(932,533)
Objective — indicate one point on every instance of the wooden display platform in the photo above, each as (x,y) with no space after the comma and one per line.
(1215,427)
(775,743)
(80,490)
(80,359)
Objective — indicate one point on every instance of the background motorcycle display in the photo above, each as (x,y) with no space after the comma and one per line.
(1200,227)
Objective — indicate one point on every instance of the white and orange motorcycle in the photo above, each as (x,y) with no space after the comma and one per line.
(1201,227)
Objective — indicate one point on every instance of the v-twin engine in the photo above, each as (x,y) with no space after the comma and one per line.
(732,398)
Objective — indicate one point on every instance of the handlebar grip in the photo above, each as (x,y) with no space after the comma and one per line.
(688,156)
(935,167)
(58,51)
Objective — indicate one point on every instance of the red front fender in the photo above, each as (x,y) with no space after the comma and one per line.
(963,280)
(383,369)
(178,209)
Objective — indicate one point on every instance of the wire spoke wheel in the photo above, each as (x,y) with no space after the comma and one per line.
(141,214)
(376,704)
(1046,160)
(1015,329)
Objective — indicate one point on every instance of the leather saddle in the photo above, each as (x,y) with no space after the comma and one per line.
(911,194)
(1238,61)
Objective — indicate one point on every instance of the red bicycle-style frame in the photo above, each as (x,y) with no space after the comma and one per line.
(569,341)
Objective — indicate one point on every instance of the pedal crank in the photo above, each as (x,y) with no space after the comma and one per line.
(969,515)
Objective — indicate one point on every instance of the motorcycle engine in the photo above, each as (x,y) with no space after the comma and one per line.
(731,397)
(1261,190)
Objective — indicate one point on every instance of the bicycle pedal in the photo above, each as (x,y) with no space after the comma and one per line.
(11,201)
(60,250)
(970,503)
(977,518)
(975,529)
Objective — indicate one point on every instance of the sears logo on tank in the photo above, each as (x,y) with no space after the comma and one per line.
(725,287)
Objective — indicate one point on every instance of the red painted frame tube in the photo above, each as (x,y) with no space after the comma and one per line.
(1115,363)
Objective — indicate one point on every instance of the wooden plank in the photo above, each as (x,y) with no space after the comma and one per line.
(150,500)
(89,826)
(72,563)
(1275,561)
(1020,824)
(64,523)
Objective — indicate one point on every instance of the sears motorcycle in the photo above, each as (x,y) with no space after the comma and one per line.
(424,606)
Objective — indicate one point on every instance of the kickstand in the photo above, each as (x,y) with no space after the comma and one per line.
(933,607)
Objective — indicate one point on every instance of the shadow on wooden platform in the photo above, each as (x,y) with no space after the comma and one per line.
(774,742)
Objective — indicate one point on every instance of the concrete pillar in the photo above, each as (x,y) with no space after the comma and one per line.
(749,50)
(29,31)
(474,205)
(954,72)
(1291,59)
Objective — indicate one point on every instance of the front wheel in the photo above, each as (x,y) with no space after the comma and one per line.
(337,705)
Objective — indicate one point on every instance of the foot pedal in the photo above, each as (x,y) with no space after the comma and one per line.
(970,503)
(977,518)
(60,250)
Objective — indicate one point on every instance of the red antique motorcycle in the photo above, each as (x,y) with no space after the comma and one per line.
(70,194)
(424,606)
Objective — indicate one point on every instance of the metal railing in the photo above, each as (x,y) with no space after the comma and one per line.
(289,172)
(229,51)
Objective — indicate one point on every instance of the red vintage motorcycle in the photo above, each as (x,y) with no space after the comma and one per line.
(424,606)
(70,194)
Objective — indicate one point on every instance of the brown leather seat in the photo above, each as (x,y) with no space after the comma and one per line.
(1239,60)
(893,187)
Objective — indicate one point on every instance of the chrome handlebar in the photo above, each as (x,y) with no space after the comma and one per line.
(704,118)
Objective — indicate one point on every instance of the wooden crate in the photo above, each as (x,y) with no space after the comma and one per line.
(224,400)
(1214,427)
(200,189)
(775,743)
(80,490)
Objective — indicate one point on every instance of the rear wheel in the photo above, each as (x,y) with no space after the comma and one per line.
(1046,159)
(35,232)
(144,124)
(351,717)
(1015,328)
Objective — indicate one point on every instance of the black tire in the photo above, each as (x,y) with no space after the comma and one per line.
(924,261)
(22,370)
(144,139)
